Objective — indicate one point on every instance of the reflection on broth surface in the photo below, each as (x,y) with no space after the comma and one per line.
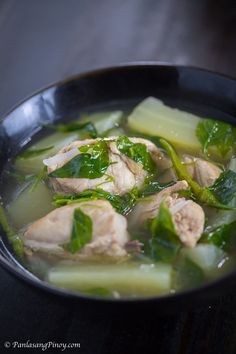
(121,204)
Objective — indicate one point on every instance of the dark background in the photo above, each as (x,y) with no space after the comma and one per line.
(48,40)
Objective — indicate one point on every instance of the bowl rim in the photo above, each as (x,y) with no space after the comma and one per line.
(30,279)
(102,69)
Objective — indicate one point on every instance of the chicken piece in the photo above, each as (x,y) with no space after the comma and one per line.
(168,175)
(125,173)
(148,207)
(203,172)
(188,216)
(51,232)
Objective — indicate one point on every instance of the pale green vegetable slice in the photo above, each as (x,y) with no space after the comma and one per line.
(104,121)
(197,265)
(206,256)
(126,279)
(115,132)
(29,205)
(34,165)
(153,117)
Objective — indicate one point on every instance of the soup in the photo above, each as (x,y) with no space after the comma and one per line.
(125,203)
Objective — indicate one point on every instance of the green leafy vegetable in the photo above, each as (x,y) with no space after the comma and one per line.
(136,151)
(224,187)
(152,187)
(223,236)
(81,231)
(91,163)
(14,239)
(42,176)
(187,193)
(86,129)
(123,204)
(29,153)
(216,133)
(34,180)
(203,195)
(164,243)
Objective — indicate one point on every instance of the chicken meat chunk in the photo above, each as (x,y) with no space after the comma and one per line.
(50,233)
(188,217)
(121,176)
(203,172)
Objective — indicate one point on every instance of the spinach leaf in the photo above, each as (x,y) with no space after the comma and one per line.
(224,187)
(136,151)
(81,234)
(85,129)
(223,236)
(27,154)
(203,195)
(152,187)
(92,163)
(164,243)
(123,204)
(216,133)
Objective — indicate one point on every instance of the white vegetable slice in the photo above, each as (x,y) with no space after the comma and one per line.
(30,205)
(153,117)
(125,279)
(207,257)
(34,165)
(104,121)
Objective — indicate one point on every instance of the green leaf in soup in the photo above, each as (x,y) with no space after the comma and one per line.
(216,134)
(85,129)
(91,163)
(136,151)
(152,187)
(29,153)
(164,243)
(82,228)
(202,195)
(42,176)
(123,204)
(13,238)
(224,188)
(222,236)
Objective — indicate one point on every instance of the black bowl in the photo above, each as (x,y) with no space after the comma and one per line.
(195,90)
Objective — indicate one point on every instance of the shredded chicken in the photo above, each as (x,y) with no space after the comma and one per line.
(50,233)
(202,171)
(124,173)
(188,216)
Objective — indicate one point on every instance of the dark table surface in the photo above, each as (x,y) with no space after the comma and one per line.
(44,41)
